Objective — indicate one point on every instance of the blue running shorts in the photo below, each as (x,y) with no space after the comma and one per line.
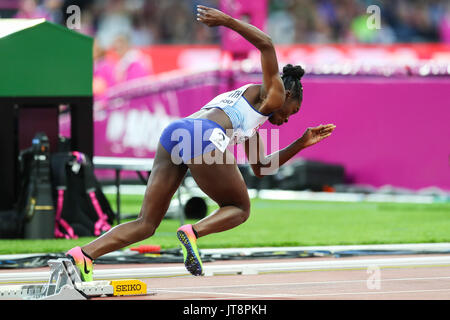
(189,138)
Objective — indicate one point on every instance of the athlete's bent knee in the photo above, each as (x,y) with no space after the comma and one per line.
(245,212)
(245,215)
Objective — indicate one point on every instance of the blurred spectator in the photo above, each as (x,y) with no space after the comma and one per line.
(132,63)
(29,9)
(444,25)
(113,21)
(176,21)
(142,34)
(281,27)
(54,10)
(104,76)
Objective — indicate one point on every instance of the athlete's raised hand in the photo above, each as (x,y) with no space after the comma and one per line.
(211,17)
(272,88)
(316,134)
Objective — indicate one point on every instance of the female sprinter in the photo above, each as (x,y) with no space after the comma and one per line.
(234,116)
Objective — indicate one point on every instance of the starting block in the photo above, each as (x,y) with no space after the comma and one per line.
(65,284)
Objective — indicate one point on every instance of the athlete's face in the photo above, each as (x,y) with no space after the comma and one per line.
(291,106)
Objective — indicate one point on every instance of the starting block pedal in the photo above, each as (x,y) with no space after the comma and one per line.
(65,284)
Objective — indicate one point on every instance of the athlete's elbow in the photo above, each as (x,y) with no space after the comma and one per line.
(258,171)
(266,168)
(265,43)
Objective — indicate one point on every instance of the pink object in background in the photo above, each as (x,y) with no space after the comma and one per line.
(253,12)
(444,28)
(133,65)
(28,9)
(389,130)
(103,77)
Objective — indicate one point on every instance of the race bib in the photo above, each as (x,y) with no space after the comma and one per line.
(219,139)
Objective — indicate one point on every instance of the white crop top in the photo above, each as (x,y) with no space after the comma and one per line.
(244,118)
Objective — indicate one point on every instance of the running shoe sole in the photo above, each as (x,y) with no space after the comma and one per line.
(191,260)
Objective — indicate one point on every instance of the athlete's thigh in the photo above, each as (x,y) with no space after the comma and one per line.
(164,180)
(222,182)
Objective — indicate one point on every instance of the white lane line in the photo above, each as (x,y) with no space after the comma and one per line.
(224,293)
(303,283)
(369,292)
(244,269)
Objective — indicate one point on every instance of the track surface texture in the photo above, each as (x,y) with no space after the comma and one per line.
(410,282)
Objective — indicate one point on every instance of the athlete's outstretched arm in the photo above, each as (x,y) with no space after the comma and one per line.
(265,165)
(273,89)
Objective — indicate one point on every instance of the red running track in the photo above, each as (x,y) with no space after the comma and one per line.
(386,283)
(426,282)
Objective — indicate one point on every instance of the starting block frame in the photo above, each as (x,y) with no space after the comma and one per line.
(65,284)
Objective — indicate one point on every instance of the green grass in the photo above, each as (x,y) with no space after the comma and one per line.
(293,223)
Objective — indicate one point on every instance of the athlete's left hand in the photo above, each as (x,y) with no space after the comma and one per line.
(317,134)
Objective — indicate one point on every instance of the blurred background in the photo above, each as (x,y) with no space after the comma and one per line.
(148,22)
(153,62)
(121,25)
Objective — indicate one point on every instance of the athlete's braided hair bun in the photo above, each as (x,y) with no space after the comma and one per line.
(291,79)
(293,71)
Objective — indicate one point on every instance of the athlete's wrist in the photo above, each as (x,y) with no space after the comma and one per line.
(300,144)
(228,21)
